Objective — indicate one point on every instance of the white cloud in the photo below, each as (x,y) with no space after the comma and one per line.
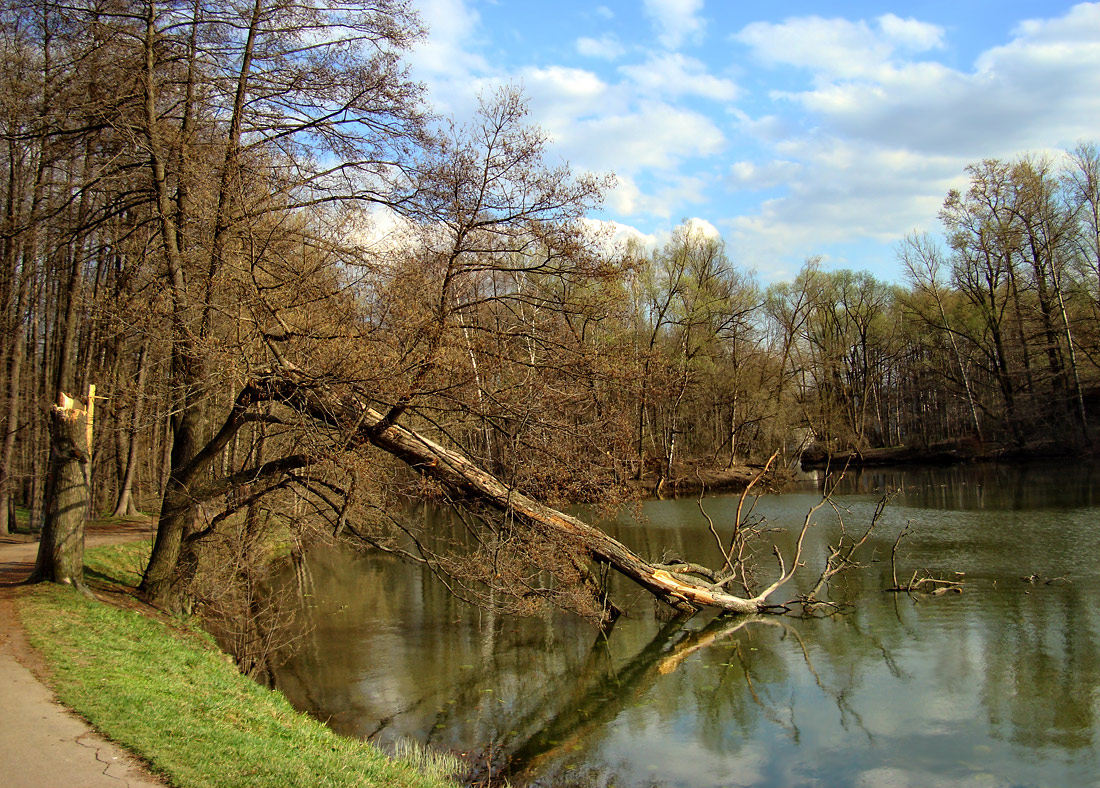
(608,127)
(675,21)
(702,227)
(651,136)
(910,33)
(749,175)
(840,194)
(1042,89)
(577,88)
(614,236)
(673,74)
(839,48)
(869,148)
(606,47)
(447,60)
(1078,25)
(561,97)
(659,199)
(863,142)
(831,47)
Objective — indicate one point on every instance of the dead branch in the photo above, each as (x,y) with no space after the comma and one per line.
(918,582)
(458,473)
(842,556)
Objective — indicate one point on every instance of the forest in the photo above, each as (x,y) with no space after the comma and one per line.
(244,226)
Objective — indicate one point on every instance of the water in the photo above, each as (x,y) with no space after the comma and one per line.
(998,686)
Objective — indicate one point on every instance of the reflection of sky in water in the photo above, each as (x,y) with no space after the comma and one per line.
(997,687)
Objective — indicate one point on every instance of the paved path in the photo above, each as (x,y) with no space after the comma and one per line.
(42,744)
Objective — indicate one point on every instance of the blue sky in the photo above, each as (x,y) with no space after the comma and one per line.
(795,130)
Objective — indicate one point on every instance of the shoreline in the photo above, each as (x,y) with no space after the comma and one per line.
(956,453)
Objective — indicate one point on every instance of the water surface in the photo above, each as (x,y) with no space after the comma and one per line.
(998,686)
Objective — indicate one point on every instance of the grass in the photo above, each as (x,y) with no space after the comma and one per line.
(22,518)
(120,565)
(174,699)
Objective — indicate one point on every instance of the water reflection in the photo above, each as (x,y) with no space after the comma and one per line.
(1058,484)
(998,687)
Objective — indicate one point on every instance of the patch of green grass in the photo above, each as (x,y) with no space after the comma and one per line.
(182,706)
(121,564)
(22,520)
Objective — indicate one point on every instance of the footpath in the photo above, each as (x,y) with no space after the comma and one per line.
(43,744)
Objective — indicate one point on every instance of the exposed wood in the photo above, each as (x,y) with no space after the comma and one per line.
(459,474)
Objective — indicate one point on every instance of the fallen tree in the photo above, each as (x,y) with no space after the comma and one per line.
(685,587)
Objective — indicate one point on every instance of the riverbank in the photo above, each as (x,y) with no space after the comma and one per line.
(164,691)
(695,478)
(818,457)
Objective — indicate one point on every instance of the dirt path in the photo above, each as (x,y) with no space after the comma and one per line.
(43,744)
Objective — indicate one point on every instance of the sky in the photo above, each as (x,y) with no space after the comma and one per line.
(790,129)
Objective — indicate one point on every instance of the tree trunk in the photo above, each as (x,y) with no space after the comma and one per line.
(459,474)
(124,506)
(61,550)
(11,421)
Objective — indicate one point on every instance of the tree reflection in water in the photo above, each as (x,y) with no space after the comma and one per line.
(998,686)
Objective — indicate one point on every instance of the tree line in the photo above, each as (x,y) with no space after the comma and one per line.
(204,201)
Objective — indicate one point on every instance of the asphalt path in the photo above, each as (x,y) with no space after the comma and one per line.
(43,744)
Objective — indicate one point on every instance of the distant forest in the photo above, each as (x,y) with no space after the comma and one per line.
(191,201)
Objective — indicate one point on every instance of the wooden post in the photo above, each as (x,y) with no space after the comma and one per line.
(90,418)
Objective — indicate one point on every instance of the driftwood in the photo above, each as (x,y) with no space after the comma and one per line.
(458,473)
(920,582)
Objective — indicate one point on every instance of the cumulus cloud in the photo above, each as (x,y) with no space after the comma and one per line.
(672,74)
(910,33)
(652,135)
(838,47)
(868,148)
(447,61)
(660,198)
(697,226)
(675,21)
(614,236)
(1041,89)
(604,126)
(606,47)
(871,128)
(840,193)
(766,175)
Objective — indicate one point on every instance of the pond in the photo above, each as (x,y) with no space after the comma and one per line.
(997,686)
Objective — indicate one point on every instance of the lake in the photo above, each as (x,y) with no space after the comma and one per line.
(997,686)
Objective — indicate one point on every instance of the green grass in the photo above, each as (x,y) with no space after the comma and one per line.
(179,703)
(22,518)
(120,564)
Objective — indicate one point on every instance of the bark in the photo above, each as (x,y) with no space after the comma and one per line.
(61,550)
(461,475)
(161,582)
(124,506)
(11,420)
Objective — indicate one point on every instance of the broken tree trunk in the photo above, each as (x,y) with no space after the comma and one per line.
(61,549)
(459,474)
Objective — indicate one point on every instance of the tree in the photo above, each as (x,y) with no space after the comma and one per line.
(983,268)
(924,266)
(307,106)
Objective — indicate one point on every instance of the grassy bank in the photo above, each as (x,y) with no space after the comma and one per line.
(169,695)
